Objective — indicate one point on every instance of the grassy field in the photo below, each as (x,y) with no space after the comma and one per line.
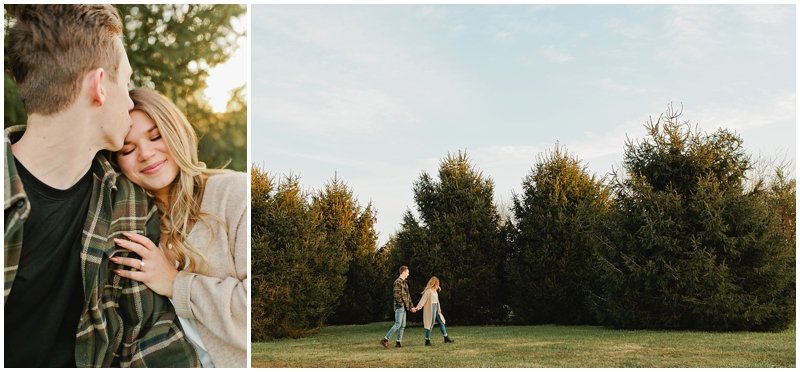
(529,346)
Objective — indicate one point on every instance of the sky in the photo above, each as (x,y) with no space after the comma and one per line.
(231,74)
(377,94)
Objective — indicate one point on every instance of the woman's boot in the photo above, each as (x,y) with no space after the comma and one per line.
(428,343)
(447,339)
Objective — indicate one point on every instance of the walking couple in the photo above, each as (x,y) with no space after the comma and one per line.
(429,302)
(121,248)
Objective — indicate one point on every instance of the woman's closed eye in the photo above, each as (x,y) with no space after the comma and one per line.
(126,150)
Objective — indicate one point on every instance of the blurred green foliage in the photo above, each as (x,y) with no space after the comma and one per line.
(171,49)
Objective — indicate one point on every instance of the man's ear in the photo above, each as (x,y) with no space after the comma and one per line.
(94,82)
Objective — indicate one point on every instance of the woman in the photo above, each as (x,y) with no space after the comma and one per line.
(200,262)
(433,310)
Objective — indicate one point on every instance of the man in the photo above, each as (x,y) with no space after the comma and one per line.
(64,203)
(402,302)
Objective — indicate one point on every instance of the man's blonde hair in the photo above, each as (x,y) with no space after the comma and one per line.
(51,48)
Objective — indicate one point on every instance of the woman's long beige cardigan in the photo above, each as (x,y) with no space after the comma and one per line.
(427,313)
(218,300)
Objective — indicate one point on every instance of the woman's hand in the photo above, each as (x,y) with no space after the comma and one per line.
(154,270)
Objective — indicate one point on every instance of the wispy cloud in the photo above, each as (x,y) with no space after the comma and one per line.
(695,31)
(365,77)
(333,109)
(690,31)
(766,14)
(610,142)
(613,85)
(448,19)
(556,54)
(367,165)
(756,112)
(760,22)
(626,29)
(508,154)
(509,27)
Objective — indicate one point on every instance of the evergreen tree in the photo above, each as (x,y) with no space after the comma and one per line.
(350,231)
(688,246)
(385,273)
(783,198)
(458,240)
(551,266)
(262,188)
(297,278)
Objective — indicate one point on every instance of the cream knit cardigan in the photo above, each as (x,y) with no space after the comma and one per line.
(218,301)
(427,313)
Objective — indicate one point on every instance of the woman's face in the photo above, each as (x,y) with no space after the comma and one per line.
(145,157)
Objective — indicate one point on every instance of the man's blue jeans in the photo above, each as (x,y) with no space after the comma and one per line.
(436,317)
(399,324)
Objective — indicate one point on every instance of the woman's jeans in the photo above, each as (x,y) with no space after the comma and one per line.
(436,318)
(399,324)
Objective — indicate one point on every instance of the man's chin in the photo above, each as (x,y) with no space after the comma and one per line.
(115,146)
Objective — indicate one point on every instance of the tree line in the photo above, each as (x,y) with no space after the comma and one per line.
(682,237)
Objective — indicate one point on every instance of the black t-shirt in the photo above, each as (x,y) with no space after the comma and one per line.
(46,300)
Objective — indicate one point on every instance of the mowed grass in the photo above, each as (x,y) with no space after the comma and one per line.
(529,346)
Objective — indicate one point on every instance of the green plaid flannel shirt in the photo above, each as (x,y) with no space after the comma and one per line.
(402,298)
(123,324)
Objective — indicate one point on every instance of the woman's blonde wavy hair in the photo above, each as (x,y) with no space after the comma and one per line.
(433,284)
(186,191)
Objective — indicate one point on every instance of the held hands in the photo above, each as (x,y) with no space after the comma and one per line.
(413,309)
(153,269)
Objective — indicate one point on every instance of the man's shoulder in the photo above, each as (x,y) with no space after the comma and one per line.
(121,205)
(121,186)
(13,190)
(127,186)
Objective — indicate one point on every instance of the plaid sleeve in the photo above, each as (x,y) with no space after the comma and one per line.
(124,324)
(12,240)
(153,338)
(152,335)
(398,293)
(17,209)
(407,296)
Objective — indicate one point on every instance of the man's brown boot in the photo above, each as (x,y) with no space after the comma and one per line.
(385,343)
